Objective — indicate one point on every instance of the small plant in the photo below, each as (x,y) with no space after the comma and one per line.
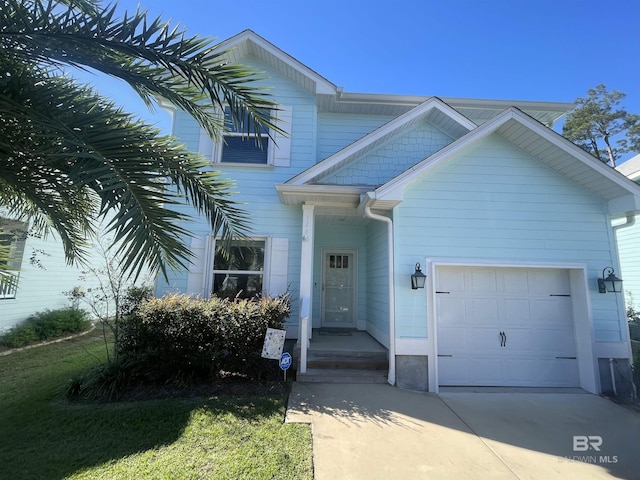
(114,297)
(46,325)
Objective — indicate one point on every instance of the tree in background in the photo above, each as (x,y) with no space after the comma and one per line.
(597,121)
(70,158)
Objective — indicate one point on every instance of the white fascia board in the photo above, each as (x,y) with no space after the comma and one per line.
(630,168)
(387,129)
(624,205)
(319,194)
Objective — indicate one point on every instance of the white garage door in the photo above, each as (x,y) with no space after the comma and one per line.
(505,327)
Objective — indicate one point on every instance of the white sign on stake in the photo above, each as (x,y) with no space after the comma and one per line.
(273,343)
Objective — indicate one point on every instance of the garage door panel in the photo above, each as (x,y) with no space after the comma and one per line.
(554,310)
(555,341)
(451,310)
(450,280)
(515,282)
(517,310)
(559,373)
(531,307)
(480,281)
(485,371)
(454,371)
(452,340)
(483,310)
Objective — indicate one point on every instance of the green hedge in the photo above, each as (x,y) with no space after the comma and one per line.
(46,325)
(178,337)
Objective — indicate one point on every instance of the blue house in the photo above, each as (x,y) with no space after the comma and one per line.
(628,235)
(510,224)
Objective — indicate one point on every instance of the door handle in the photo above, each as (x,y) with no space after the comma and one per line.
(503,339)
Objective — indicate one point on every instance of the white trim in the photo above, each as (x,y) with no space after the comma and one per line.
(581,311)
(412,346)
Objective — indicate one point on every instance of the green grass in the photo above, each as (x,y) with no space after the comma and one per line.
(225,437)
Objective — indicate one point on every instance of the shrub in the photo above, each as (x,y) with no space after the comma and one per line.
(178,337)
(47,324)
(104,382)
(19,336)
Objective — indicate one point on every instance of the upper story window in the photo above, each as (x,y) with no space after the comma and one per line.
(244,142)
(251,147)
(13,236)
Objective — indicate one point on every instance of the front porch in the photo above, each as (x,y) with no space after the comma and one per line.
(343,356)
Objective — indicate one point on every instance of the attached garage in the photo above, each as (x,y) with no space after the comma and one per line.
(499,326)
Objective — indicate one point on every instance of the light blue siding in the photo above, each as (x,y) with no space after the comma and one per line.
(496,203)
(378,278)
(393,158)
(336,131)
(629,251)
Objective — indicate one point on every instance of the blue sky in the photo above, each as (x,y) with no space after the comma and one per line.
(547,50)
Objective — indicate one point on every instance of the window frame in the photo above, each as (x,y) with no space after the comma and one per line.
(9,279)
(265,140)
(264,273)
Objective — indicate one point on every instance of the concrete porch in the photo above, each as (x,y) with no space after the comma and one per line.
(343,356)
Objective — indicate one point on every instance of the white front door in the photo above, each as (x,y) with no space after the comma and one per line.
(338,288)
(505,327)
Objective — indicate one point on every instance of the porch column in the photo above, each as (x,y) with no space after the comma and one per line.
(306,282)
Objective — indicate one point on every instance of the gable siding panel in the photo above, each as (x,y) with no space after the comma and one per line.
(391,158)
(502,198)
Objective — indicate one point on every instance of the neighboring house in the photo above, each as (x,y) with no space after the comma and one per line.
(510,222)
(39,275)
(628,235)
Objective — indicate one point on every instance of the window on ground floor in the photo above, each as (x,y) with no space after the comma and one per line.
(240,274)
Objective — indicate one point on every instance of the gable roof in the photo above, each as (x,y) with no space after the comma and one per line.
(542,143)
(331,98)
(249,43)
(433,110)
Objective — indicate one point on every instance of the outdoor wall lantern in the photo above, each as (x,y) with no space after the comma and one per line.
(418,278)
(611,283)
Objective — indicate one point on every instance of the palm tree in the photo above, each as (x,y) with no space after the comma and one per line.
(70,157)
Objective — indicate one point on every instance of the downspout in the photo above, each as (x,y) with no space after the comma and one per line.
(391,379)
(631,220)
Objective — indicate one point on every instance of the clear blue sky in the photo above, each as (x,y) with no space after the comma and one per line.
(547,50)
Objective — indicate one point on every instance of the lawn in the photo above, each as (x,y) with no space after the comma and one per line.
(221,437)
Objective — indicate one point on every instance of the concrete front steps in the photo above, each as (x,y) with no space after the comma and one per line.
(345,367)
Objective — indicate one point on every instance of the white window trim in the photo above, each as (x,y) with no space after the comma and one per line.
(278,145)
(211,271)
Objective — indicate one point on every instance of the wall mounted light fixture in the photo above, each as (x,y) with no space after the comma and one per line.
(611,283)
(418,278)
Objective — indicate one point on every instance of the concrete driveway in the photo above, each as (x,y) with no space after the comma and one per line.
(382,432)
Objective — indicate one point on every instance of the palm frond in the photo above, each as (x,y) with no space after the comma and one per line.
(63,147)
